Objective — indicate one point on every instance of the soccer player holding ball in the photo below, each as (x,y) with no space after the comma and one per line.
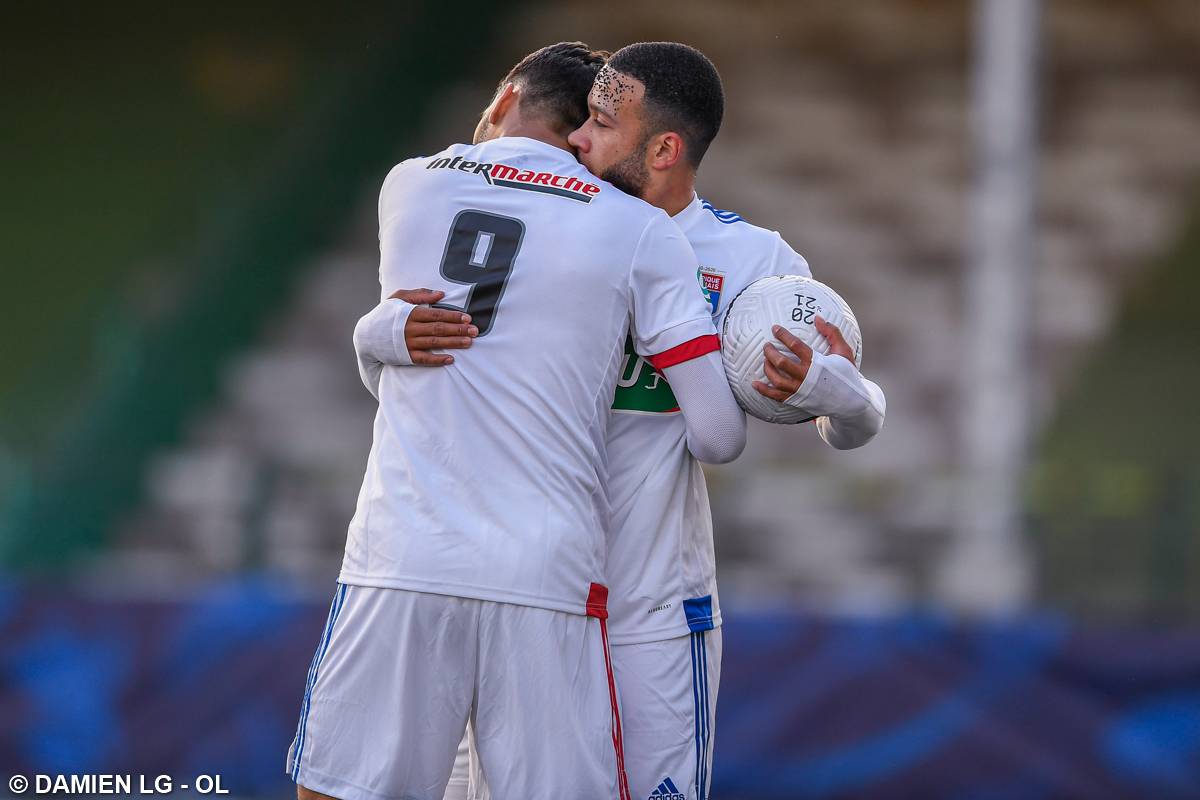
(472,582)
(653,111)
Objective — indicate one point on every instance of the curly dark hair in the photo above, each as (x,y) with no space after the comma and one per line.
(683,92)
(555,82)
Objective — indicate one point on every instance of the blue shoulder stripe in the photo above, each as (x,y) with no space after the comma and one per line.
(728,217)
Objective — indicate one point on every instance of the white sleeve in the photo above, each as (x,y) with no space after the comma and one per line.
(667,307)
(716,425)
(672,328)
(379,334)
(393,255)
(379,341)
(850,408)
(388,195)
(787,261)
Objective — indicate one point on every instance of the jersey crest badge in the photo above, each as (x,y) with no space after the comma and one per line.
(712,281)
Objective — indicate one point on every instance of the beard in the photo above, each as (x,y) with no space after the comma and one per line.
(630,175)
(481,130)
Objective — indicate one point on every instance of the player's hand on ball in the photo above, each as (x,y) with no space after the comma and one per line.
(837,342)
(786,374)
(433,328)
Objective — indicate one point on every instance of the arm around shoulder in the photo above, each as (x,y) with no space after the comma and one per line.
(379,341)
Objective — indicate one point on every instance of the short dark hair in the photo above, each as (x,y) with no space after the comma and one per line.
(555,82)
(683,91)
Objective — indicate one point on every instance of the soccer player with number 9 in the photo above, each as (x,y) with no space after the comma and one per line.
(652,113)
(472,585)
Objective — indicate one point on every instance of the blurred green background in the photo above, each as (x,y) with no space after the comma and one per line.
(188,234)
(172,174)
(169,171)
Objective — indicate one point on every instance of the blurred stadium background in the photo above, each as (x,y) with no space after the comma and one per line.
(188,236)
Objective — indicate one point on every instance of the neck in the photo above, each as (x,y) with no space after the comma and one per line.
(539,132)
(673,190)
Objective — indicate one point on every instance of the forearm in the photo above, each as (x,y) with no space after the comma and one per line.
(379,341)
(716,425)
(850,409)
(849,432)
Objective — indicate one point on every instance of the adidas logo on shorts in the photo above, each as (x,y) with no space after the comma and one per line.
(666,791)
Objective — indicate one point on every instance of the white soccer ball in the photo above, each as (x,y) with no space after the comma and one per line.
(792,302)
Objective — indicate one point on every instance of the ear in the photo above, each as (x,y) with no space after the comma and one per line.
(666,150)
(504,102)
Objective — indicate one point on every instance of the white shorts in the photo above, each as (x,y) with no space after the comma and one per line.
(398,674)
(668,706)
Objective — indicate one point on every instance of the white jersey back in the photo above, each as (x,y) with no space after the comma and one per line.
(661,565)
(486,477)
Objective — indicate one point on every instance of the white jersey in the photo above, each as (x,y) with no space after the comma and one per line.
(661,565)
(486,477)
